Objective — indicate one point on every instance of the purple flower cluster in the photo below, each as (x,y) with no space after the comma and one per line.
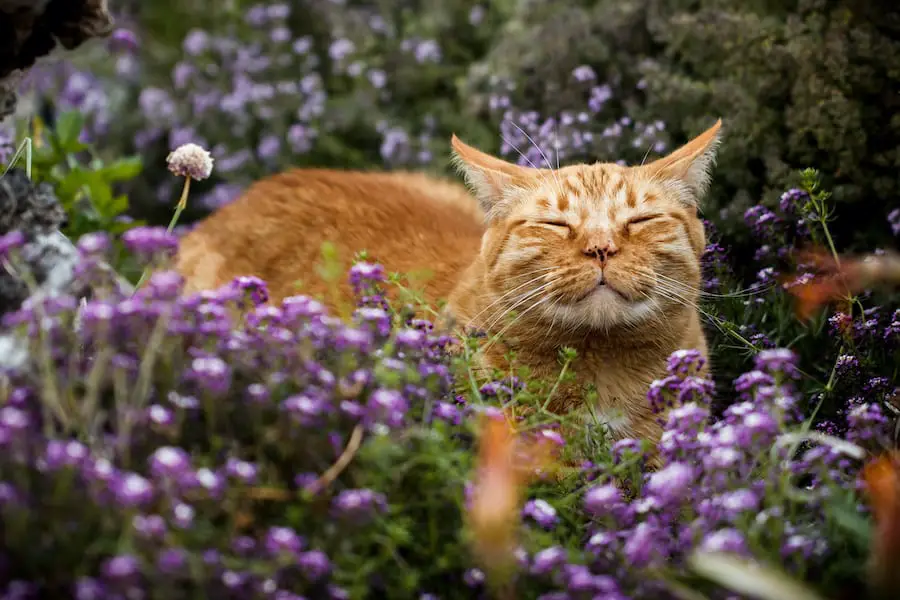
(724,485)
(186,405)
(194,411)
(280,86)
(542,141)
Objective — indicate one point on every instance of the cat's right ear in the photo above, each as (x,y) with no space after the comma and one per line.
(492,180)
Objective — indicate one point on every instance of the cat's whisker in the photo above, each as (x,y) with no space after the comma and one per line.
(516,303)
(556,143)
(538,148)
(515,320)
(542,272)
(543,176)
(560,280)
(674,296)
(746,292)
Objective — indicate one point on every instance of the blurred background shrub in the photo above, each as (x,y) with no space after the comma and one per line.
(373,84)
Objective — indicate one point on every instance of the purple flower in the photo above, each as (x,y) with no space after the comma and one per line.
(123,39)
(243,545)
(149,526)
(11,241)
(169,462)
(211,373)
(602,500)
(552,436)
(314,564)
(672,483)
(88,588)
(341,49)
(448,412)
(243,471)
(750,380)
(409,338)
(13,419)
(601,543)
(364,274)
(387,406)
(739,501)
(149,241)
(210,481)
(94,244)
(761,221)
(120,567)
(171,560)
(642,545)
(866,424)
(548,560)
(474,578)
(64,454)
(283,540)
(584,73)
(724,540)
(160,415)
(894,220)
(196,42)
(792,201)
(685,362)
(777,361)
(130,489)
(542,513)
(305,408)
(359,504)
(800,546)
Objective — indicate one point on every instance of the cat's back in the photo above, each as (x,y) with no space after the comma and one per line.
(275,230)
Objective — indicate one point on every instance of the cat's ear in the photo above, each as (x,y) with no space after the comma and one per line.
(690,166)
(491,179)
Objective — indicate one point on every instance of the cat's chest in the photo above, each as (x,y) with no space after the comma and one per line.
(614,381)
(616,394)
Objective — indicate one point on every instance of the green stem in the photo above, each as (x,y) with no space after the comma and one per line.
(831,246)
(182,203)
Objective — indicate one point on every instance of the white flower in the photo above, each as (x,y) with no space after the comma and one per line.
(190,160)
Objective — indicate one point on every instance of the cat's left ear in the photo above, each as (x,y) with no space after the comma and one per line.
(690,166)
(492,180)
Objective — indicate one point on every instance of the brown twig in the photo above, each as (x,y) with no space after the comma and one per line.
(341,463)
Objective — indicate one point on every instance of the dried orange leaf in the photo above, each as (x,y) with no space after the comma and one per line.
(882,479)
(506,463)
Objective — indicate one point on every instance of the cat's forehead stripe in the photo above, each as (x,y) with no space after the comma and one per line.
(590,190)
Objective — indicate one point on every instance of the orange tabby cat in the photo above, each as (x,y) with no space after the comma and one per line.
(601,258)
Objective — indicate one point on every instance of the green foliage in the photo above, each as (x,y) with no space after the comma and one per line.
(798,83)
(85,185)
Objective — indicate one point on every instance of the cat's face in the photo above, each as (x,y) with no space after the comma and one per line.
(598,246)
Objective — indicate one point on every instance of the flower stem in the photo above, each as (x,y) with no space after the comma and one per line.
(182,204)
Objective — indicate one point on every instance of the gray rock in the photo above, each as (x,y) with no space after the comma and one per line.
(30,30)
(48,255)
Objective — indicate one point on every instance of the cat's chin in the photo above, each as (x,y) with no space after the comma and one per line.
(604,308)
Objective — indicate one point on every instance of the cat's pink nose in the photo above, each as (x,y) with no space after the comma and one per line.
(601,251)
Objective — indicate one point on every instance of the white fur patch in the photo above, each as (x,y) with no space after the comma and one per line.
(604,311)
(616,419)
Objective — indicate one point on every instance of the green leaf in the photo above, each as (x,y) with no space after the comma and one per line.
(70,185)
(123,169)
(118,205)
(100,194)
(750,578)
(68,129)
(850,521)
(45,156)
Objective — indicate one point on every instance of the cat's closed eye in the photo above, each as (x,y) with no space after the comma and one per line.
(557,223)
(639,219)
